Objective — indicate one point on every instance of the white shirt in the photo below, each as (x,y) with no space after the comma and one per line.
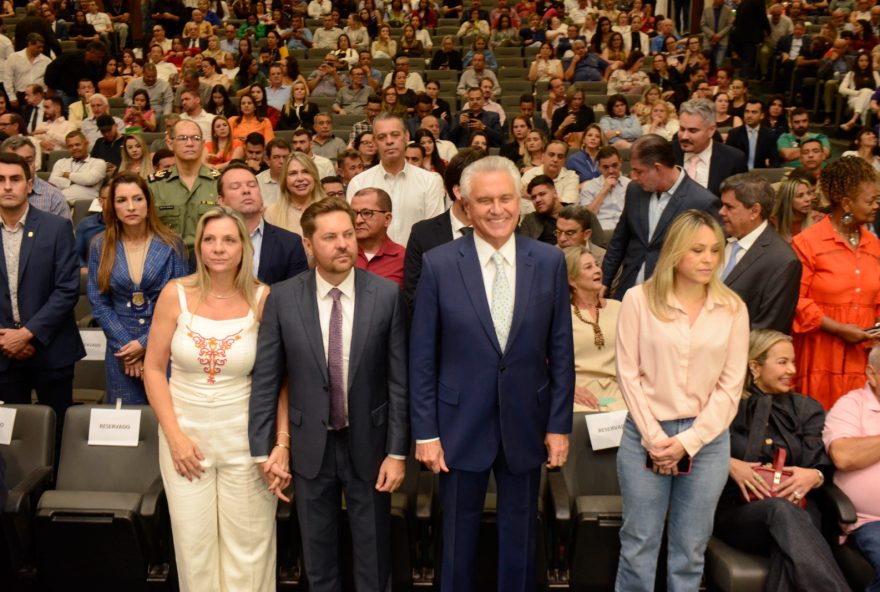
(414,82)
(745,243)
(457,225)
(165,71)
(612,206)
(269,188)
(39,120)
(655,211)
(101,21)
(257,243)
(702,177)
(446,149)
(20,71)
(416,195)
(325,309)
(54,131)
(203,120)
(566,183)
(487,266)
(325,165)
(85,177)
(6,51)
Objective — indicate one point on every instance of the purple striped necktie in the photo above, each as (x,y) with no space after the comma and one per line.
(334,363)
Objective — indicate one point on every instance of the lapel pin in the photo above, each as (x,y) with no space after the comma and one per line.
(31,234)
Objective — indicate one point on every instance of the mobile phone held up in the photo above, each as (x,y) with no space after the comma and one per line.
(684,465)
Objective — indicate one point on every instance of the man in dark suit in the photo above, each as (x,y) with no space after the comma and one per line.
(39,287)
(336,336)
(758,264)
(433,232)
(278,253)
(34,23)
(789,50)
(659,192)
(476,119)
(528,108)
(492,375)
(754,140)
(706,161)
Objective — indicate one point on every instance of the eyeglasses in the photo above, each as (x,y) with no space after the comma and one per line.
(183,138)
(368,214)
(341,195)
(567,233)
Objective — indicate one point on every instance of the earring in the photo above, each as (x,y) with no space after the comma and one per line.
(847,219)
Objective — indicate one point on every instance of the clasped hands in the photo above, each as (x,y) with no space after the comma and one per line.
(132,357)
(802,481)
(15,343)
(666,455)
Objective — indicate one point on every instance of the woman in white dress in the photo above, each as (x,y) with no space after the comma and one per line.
(222,512)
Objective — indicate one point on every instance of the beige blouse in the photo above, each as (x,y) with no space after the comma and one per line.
(595,368)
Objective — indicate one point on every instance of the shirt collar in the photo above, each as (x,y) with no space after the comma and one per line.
(21,221)
(406,167)
(748,240)
(671,191)
(456,224)
(705,155)
(260,229)
(871,401)
(346,286)
(485,250)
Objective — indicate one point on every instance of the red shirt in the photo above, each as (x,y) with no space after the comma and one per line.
(387,262)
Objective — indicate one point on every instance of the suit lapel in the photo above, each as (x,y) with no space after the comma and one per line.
(670,211)
(444,226)
(642,204)
(715,165)
(31,226)
(267,246)
(525,271)
(364,302)
(472,279)
(308,311)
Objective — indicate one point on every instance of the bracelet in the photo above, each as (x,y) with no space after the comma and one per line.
(821,477)
(280,445)
(282,434)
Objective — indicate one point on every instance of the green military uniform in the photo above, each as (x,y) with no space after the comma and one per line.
(179,207)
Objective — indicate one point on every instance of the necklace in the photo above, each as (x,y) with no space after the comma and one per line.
(223,297)
(851,237)
(598,338)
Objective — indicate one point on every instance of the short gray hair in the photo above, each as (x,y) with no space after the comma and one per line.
(874,357)
(751,189)
(702,107)
(101,98)
(489,164)
(13,143)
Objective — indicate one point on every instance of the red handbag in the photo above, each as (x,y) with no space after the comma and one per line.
(775,477)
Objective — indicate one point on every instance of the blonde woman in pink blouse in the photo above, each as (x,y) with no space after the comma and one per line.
(682,345)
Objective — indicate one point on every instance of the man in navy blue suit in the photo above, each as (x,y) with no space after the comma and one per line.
(39,287)
(491,375)
(278,253)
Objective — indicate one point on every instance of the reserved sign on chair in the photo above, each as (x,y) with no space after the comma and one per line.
(606,429)
(114,427)
(7,422)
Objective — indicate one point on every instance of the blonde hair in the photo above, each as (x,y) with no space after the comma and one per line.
(278,212)
(573,265)
(783,209)
(245,281)
(146,163)
(761,341)
(679,239)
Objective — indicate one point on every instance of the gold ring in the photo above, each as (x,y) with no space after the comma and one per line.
(749,485)
(798,495)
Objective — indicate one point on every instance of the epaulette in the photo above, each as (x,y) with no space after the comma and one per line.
(158,175)
(215,173)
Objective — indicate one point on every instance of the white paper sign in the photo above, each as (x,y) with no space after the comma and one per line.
(606,429)
(7,422)
(114,427)
(95,343)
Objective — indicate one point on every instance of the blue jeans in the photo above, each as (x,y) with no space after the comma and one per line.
(867,539)
(648,498)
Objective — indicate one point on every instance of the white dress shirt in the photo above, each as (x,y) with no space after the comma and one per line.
(612,206)
(656,205)
(6,51)
(745,243)
(269,188)
(54,132)
(20,71)
(457,225)
(84,181)
(416,195)
(702,177)
(100,21)
(566,183)
(257,243)
(32,123)
(203,120)
(324,165)
(447,149)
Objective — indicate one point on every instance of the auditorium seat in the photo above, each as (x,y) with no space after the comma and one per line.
(54,156)
(731,570)
(450,75)
(772,175)
(587,512)
(106,524)
(29,463)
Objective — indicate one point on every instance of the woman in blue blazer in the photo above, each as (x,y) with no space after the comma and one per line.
(129,264)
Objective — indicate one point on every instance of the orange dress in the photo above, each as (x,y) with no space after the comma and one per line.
(242,128)
(844,285)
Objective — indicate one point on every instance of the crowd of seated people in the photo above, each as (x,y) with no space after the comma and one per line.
(621,120)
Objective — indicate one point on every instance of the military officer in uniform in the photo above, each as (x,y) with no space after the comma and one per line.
(189,188)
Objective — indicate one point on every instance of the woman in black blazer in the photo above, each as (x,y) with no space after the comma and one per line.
(298,112)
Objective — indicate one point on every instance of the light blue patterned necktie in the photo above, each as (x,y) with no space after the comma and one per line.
(735,248)
(502,301)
